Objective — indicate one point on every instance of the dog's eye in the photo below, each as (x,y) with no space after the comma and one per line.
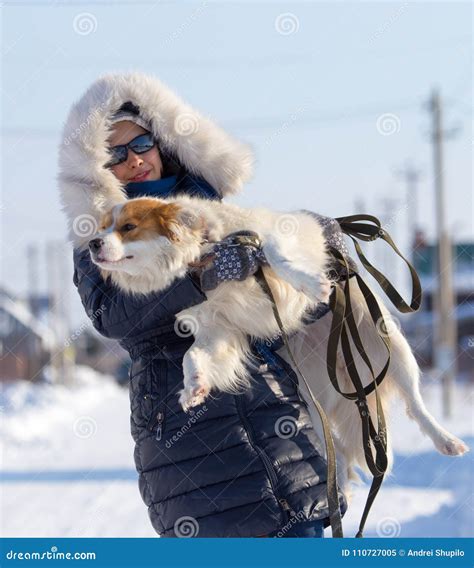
(129,227)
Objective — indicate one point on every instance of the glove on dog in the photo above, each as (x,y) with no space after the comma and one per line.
(229,260)
(335,238)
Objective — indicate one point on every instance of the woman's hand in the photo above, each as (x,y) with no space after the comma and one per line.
(229,259)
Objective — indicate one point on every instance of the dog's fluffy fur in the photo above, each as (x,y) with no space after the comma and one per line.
(168,235)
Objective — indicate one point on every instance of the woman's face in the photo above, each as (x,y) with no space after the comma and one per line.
(137,167)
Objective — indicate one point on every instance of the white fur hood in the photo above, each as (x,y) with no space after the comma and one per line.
(87,189)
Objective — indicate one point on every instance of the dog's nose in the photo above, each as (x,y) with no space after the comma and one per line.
(95,244)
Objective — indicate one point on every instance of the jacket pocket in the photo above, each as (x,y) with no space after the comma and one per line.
(154,399)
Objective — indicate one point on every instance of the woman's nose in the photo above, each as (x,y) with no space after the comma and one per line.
(134,160)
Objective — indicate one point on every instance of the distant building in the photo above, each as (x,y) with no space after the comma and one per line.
(102,354)
(420,327)
(26,344)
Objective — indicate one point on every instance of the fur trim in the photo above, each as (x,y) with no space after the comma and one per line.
(87,189)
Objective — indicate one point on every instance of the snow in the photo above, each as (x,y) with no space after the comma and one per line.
(67,467)
(427,494)
(67,461)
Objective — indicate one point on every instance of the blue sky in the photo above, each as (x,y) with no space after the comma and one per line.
(307,84)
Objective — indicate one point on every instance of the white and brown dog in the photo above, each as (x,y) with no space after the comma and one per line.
(146,243)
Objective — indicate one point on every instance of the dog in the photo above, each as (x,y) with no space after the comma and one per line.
(144,244)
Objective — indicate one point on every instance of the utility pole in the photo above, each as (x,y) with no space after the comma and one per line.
(411,176)
(32,275)
(388,219)
(444,347)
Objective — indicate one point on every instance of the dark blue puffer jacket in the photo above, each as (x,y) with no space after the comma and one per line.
(239,465)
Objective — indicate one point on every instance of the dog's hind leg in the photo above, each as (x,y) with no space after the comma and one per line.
(405,373)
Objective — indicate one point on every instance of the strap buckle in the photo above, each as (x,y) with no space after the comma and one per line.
(247,238)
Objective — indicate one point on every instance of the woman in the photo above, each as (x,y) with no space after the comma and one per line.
(229,469)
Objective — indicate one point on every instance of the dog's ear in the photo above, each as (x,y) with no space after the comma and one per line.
(187,221)
(175,221)
(204,226)
(164,217)
(191,219)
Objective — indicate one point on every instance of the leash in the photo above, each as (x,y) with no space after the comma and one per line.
(343,326)
(352,228)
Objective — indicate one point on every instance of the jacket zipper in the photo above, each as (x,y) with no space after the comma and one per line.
(157,418)
(157,423)
(265,459)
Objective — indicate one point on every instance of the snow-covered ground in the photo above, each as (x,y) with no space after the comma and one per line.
(67,468)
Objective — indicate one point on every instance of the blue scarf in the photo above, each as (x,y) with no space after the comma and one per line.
(156,188)
(171,185)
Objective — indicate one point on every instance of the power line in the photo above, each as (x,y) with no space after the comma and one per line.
(198,63)
(298,119)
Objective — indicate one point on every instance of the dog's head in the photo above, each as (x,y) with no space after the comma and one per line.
(144,230)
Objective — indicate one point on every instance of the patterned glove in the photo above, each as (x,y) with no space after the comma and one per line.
(229,260)
(335,238)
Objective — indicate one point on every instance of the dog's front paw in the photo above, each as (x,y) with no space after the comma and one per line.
(317,288)
(194,393)
(325,289)
(452,446)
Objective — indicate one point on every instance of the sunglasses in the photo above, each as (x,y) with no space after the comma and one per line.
(141,144)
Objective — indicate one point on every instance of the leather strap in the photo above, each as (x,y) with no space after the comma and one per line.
(335,519)
(344,323)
